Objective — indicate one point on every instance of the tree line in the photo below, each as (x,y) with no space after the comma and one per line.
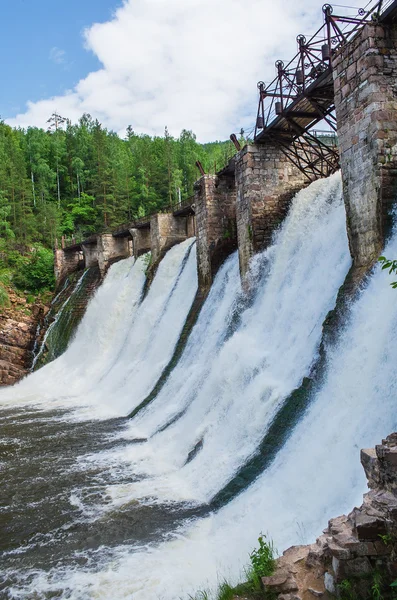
(76,179)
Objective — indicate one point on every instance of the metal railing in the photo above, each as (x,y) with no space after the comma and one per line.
(312,62)
(70,241)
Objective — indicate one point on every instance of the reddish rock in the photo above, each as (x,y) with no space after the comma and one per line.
(18,326)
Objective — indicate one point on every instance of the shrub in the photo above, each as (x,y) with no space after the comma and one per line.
(37,273)
(262,559)
(4,299)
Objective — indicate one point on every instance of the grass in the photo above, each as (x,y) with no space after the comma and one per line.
(262,564)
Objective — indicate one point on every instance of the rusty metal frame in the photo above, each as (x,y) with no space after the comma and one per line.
(307,77)
(312,60)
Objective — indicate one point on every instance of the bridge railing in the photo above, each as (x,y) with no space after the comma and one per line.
(142,221)
(312,61)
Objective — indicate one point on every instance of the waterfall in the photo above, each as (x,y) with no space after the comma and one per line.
(243,360)
(239,383)
(53,327)
(122,344)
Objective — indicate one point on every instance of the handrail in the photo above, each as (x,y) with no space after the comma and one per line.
(312,62)
(68,242)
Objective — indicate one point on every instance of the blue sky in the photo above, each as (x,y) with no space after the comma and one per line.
(190,64)
(42,48)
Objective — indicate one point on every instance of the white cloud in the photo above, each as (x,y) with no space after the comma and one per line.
(182,63)
(57,55)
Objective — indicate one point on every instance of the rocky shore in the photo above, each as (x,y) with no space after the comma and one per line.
(356,557)
(18,331)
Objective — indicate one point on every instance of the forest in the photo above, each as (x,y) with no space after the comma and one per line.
(76,179)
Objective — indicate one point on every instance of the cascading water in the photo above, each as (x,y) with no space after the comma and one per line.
(238,388)
(57,341)
(122,526)
(112,339)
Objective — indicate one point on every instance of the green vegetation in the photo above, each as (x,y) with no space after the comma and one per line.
(4,299)
(378,589)
(76,179)
(391,265)
(262,564)
(387,538)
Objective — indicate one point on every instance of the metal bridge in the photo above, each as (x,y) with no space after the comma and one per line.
(302,93)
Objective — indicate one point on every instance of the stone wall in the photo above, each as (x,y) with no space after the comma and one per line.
(166,231)
(109,248)
(191,225)
(215,209)
(266,181)
(66,262)
(365,74)
(90,252)
(141,241)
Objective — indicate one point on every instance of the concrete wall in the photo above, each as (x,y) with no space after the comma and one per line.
(365,76)
(166,231)
(110,247)
(215,209)
(141,241)
(266,181)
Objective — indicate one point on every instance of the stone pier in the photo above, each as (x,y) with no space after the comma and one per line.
(141,241)
(365,80)
(166,230)
(266,182)
(110,248)
(215,209)
(90,252)
(67,261)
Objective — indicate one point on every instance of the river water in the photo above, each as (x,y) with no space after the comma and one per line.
(98,505)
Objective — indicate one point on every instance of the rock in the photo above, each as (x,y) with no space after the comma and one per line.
(369,461)
(369,528)
(275,581)
(358,567)
(315,593)
(351,547)
(18,329)
(329,583)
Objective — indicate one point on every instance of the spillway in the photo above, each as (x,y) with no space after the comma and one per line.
(136,519)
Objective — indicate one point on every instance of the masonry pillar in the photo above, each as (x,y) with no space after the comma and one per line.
(365,76)
(65,262)
(266,182)
(109,248)
(90,252)
(141,241)
(191,225)
(215,209)
(166,230)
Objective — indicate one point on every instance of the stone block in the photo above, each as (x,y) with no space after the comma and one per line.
(366,111)
(215,208)
(368,527)
(263,197)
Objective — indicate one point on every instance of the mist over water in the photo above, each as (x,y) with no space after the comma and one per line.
(134,495)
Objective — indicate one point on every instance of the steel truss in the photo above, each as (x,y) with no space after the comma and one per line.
(302,94)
